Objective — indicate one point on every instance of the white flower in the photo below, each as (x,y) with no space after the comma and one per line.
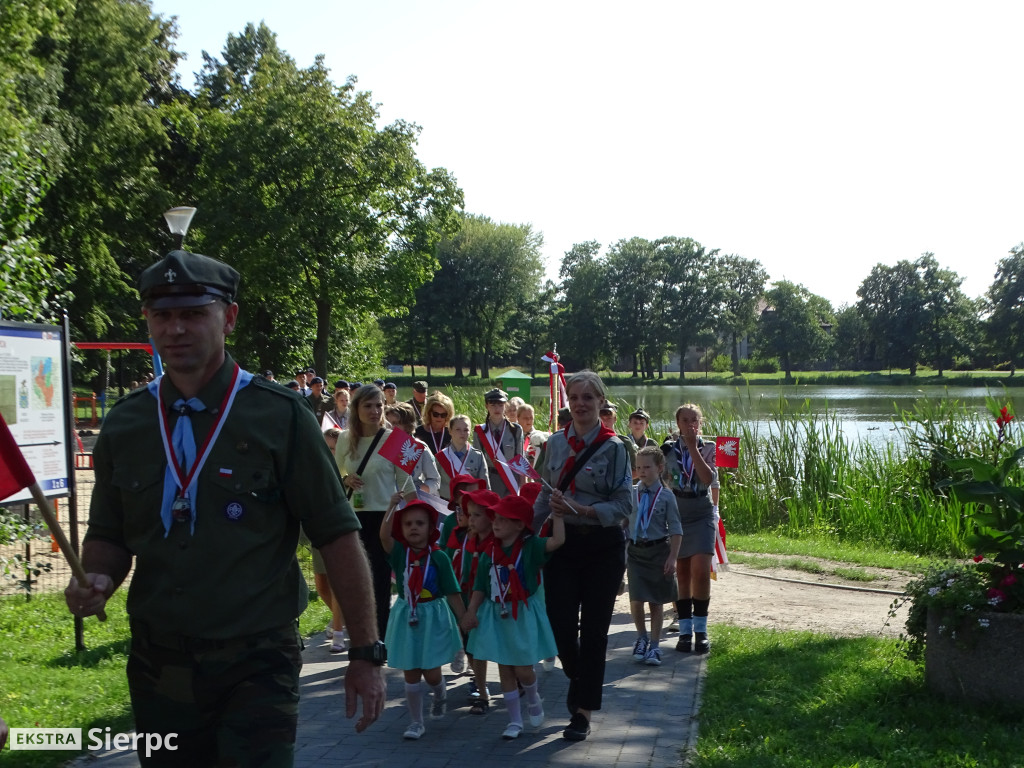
(983,623)
(951,582)
(968,607)
(933,592)
(995,600)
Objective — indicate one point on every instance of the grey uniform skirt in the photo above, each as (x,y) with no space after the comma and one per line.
(645,569)
(698,521)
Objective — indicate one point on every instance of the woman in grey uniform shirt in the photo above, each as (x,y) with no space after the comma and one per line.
(587,466)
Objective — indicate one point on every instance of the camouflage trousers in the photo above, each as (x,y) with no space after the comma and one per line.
(231,703)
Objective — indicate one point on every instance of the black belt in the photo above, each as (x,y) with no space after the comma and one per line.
(185,644)
(690,494)
(648,542)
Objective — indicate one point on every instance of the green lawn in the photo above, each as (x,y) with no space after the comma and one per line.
(45,682)
(799,700)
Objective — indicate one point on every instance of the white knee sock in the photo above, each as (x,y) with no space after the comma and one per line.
(512,704)
(414,701)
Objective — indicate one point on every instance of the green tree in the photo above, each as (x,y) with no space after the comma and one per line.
(681,303)
(792,326)
(297,186)
(31,152)
(1005,308)
(851,338)
(950,316)
(891,299)
(634,273)
(101,215)
(739,287)
(582,322)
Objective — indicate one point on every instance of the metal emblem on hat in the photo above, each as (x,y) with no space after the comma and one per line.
(170,274)
(234,510)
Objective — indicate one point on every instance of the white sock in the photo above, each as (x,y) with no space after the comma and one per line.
(532,695)
(440,691)
(414,701)
(515,712)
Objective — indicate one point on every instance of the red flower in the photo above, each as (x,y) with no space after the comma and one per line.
(1009,581)
(995,596)
(978,558)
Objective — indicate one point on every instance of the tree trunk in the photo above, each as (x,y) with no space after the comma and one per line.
(735,355)
(682,358)
(485,363)
(323,334)
(458,355)
(472,363)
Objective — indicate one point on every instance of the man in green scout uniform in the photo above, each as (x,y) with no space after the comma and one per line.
(608,415)
(419,396)
(202,478)
(500,441)
(319,401)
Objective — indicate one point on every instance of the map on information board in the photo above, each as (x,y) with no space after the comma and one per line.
(33,404)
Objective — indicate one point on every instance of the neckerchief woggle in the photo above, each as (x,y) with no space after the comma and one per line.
(645,512)
(175,478)
(513,591)
(414,587)
(685,461)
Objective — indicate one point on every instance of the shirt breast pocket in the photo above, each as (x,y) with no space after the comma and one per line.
(140,487)
(597,472)
(242,492)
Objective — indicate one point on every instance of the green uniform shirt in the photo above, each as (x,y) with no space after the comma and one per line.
(238,574)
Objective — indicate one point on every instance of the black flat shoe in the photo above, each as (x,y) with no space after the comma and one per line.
(578,728)
(683,646)
(700,642)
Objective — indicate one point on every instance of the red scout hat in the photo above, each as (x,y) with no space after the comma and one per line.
(463,480)
(483,498)
(422,506)
(530,492)
(514,508)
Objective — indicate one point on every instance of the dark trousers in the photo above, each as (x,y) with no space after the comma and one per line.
(380,566)
(231,703)
(581,582)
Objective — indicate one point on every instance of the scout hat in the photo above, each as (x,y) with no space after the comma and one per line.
(495,396)
(390,385)
(422,506)
(183,279)
(640,413)
(530,492)
(514,508)
(607,407)
(317,380)
(419,386)
(483,498)
(459,482)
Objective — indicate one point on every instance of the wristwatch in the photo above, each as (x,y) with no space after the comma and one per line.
(376,653)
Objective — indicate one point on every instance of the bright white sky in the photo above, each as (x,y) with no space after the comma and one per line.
(818,137)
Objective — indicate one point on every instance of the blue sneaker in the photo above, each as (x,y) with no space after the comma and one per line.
(640,649)
(653,657)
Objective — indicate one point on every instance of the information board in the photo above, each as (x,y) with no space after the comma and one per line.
(34,403)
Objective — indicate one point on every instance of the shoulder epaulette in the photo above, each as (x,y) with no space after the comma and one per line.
(277,389)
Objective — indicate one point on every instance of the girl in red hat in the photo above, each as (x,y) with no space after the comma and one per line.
(422,633)
(507,612)
(454,542)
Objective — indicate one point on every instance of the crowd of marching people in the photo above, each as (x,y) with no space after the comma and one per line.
(497,542)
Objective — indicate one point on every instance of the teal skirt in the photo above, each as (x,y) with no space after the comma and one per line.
(519,641)
(431,643)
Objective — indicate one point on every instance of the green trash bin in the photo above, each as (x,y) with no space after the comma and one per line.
(517,384)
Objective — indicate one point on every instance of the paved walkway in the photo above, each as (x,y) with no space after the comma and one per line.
(648,718)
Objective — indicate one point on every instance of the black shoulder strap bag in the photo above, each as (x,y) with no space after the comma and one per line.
(366,458)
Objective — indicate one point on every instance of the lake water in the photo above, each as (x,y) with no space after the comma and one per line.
(866,412)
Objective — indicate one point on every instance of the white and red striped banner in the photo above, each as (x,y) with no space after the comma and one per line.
(556,388)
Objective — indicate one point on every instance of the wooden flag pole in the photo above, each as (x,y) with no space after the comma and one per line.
(46,509)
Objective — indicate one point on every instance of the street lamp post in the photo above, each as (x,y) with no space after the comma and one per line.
(178,220)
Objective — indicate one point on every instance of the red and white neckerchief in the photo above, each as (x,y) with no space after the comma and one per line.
(512,591)
(493,450)
(415,577)
(576,444)
(449,460)
(186,482)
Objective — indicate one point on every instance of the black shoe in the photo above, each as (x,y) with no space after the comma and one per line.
(700,642)
(683,646)
(578,728)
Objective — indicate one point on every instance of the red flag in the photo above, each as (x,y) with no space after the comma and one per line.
(402,450)
(727,452)
(521,466)
(14,471)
